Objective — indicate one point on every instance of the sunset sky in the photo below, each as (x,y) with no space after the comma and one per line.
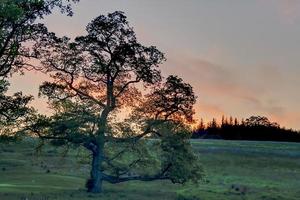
(241,57)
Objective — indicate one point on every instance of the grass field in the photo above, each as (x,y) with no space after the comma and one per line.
(235,170)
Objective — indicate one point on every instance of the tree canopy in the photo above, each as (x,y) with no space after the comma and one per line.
(18,29)
(100,76)
(17,26)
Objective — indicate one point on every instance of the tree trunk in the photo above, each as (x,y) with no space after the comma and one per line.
(95,182)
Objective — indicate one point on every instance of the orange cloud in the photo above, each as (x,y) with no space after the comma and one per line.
(237,91)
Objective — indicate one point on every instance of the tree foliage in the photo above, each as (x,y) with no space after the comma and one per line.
(13,109)
(17,26)
(18,29)
(260,121)
(97,78)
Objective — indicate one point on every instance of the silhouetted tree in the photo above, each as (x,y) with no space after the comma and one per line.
(243,122)
(253,128)
(199,130)
(100,75)
(257,121)
(230,120)
(223,121)
(236,122)
(17,27)
(201,126)
(213,123)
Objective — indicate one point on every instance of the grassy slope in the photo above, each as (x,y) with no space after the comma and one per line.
(261,170)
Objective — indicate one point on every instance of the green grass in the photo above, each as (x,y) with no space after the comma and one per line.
(235,170)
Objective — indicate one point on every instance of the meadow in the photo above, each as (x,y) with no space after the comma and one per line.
(235,170)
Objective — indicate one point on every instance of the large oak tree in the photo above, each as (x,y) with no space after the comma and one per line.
(96,80)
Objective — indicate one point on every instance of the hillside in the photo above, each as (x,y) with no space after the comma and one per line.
(235,170)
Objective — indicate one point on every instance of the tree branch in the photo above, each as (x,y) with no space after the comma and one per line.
(117,179)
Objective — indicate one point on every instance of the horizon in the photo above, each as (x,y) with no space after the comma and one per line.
(238,66)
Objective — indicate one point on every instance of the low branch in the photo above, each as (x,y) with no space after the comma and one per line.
(116,179)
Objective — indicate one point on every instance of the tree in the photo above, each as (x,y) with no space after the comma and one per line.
(213,124)
(230,120)
(258,121)
(223,121)
(17,26)
(13,109)
(201,126)
(17,30)
(101,75)
(236,122)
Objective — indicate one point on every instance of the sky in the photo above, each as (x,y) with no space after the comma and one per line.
(241,57)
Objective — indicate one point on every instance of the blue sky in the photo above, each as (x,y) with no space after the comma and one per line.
(241,57)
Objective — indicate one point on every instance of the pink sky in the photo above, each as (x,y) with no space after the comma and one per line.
(242,58)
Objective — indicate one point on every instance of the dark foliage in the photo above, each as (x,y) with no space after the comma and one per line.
(254,128)
(17,26)
(19,30)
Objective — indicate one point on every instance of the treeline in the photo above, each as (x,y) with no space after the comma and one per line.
(254,128)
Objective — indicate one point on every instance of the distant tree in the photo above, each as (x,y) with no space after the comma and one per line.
(223,121)
(199,130)
(258,121)
(236,122)
(201,126)
(213,123)
(243,122)
(108,72)
(231,121)
(253,128)
(18,27)
(226,121)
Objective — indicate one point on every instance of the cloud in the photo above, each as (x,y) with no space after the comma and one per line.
(289,10)
(234,90)
(209,109)
(218,80)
